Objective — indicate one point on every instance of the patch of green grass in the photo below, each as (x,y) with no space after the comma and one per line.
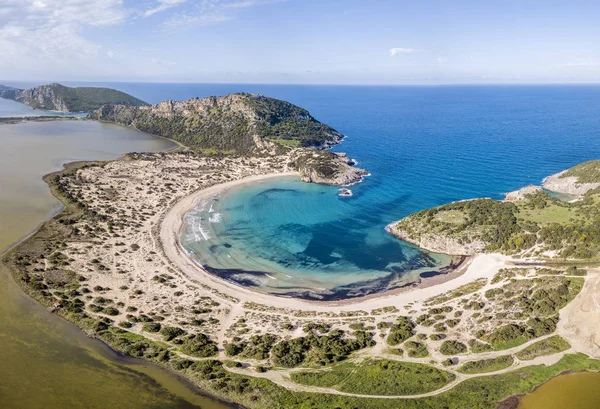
(378,377)
(292,143)
(451,216)
(548,346)
(487,365)
(549,214)
(324,378)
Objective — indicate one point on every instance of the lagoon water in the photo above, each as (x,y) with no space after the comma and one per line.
(46,361)
(423,146)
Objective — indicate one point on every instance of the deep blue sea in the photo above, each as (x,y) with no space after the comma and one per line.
(423,146)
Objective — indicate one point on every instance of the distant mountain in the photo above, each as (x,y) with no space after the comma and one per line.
(56,97)
(9,92)
(237,123)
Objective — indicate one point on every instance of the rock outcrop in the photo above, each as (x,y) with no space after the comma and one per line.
(568,185)
(438,243)
(327,168)
(521,193)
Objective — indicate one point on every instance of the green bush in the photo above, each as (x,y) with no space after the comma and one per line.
(401,331)
(199,345)
(170,333)
(151,327)
(452,347)
(487,365)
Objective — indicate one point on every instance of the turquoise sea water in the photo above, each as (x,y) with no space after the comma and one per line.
(424,146)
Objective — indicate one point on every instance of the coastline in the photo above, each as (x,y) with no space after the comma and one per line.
(169,235)
(160,232)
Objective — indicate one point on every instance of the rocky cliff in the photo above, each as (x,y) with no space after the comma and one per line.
(56,97)
(566,183)
(437,243)
(237,123)
(327,168)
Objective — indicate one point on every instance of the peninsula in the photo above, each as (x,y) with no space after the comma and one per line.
(111,263)
(57,97)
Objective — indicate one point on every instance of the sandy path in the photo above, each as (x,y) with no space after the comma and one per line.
(580,320)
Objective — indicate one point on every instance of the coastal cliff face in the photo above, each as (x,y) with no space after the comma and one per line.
(437,243)
(44,97)
(242,124)
(56,97)
(563,183)
(327,168)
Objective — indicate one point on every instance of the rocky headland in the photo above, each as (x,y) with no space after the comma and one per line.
(569,183)
(57,97)
(245,125)
(528,223)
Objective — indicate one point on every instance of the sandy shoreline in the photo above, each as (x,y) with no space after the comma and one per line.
(170,234)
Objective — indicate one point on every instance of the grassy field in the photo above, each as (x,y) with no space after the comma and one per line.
(487,365)
(378,377)
(549,214)
(325,378)
(477,393)
(548,346)
(292,143)
(451,216)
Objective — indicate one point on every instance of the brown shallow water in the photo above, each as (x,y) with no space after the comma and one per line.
(573,391)
(46,362)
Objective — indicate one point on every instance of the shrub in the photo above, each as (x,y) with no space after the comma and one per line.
(453,348)
(151,327)
(401,331)
(199,345)
(170,333)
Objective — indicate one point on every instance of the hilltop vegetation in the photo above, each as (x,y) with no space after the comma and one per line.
(586,172)
(538,225)
(237,123)
(57,97)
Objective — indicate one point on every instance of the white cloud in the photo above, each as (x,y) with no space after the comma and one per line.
(241,4)
(587,63)
(441,60)
(396,51)
(167,63)
(113,54)
(209,12)
(163,5)
(38,29)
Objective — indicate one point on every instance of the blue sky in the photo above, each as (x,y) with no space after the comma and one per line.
(301,41)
